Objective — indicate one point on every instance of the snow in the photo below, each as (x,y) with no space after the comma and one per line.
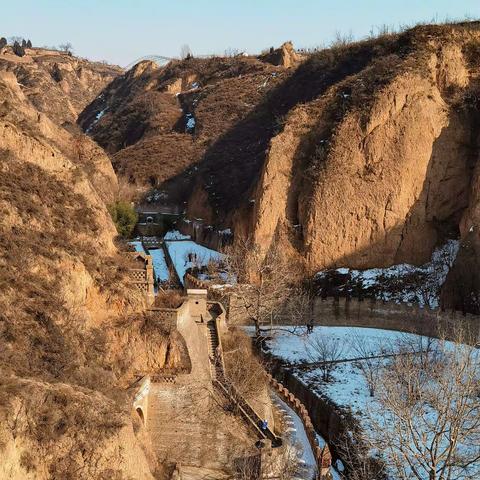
(98,116)
(294,347)
(138,246)
(227,231)
(160,267)
(190,124)
(175,235)
(402,282)
(298,438)
(179,251)
(347,386)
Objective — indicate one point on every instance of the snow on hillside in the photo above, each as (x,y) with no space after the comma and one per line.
(400,283)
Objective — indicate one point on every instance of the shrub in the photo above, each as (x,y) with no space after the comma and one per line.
(18,49)
(3,42)
(124,216)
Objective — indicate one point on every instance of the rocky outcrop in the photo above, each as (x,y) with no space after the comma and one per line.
(64,300)
(393,177)
(58,84)
(285,56)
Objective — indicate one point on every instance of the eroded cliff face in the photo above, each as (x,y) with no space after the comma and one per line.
(58,84)
(393,178)
(65,300)
(362,155)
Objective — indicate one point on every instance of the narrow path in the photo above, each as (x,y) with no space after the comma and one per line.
(297,436)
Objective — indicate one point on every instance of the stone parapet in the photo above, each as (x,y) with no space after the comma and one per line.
(323,456)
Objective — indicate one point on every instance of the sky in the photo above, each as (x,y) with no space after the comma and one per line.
(122,31)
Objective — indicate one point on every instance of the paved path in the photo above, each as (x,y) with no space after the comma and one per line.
(297,436)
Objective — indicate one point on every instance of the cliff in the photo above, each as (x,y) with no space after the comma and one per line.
(361,155)
(67,310)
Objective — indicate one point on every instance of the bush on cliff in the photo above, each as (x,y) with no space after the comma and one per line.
(124,216)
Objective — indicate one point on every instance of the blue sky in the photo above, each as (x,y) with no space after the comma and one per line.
(120,31)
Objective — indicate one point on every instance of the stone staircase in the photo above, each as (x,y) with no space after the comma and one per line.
(228,389)
(216,366)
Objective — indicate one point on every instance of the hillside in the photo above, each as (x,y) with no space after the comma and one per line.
(362,155)
(56,83)
(72,335)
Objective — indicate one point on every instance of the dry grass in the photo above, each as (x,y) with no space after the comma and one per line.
(241,365)
(169,299)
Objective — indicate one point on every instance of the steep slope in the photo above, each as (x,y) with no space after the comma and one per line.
(70,341)
(362,155)
(58,84)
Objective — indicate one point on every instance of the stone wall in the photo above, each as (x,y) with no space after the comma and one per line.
(322,455)
(142,278)
(170,316)
(376,314)
(392,316)
(140,399)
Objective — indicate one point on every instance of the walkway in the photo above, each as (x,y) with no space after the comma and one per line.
(297,437)
(187,421)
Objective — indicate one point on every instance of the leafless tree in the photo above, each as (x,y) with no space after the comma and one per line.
(267,290)
(185,52)
(325,351)
(369,363)
(66,47)
(430,423)
(355,453)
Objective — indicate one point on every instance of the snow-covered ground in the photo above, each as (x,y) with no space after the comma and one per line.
(297,347)
(347,386)
(160,267)
(401,283)
(297,436)
(138,246)
(175,235)
(187,254)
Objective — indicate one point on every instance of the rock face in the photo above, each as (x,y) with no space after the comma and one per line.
(64,302)
(285,56)
(58,84)
(362,155)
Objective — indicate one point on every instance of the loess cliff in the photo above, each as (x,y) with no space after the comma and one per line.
(72,335)
(362,155)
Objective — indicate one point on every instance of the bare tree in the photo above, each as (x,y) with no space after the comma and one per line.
(266,291)
(354,451)
(430,422)
(325,351)
(369,363)
(185,52)
(66,47)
